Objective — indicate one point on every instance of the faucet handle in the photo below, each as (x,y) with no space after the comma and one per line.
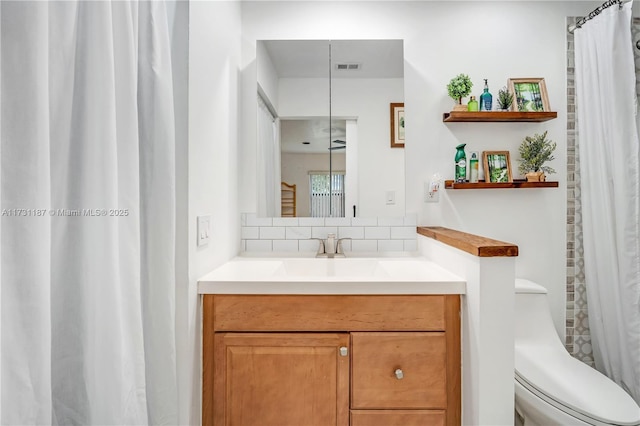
(339,249)
(320,246)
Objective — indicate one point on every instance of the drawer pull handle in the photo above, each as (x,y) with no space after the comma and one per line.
(399,374)
(344,351)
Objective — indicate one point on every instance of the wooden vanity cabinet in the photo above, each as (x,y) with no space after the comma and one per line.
(331,360)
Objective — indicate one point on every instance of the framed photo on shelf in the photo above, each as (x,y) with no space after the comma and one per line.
(397,125)
(497,166)
(529,94)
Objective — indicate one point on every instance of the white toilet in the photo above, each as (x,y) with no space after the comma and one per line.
(552,387)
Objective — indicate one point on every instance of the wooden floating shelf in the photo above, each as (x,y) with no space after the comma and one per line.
(449,184)
(493,116)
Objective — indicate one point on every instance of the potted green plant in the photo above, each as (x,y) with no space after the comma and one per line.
(535,151)
(459,87)
(505,99)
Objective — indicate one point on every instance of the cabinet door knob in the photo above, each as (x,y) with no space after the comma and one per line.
(399,374)
(344,351)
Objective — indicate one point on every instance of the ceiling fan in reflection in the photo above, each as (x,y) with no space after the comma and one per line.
(339,142)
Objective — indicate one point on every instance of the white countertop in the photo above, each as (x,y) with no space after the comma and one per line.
(364,275)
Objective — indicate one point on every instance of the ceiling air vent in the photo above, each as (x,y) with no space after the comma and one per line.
(348,67)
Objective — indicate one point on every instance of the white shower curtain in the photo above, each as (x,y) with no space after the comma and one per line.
(609,156)
(88,214)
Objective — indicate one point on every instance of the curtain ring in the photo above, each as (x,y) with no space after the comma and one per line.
(638,44)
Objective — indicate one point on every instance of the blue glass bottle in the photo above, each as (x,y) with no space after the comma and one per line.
(486,99)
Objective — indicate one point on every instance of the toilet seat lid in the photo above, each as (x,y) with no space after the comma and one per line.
(574,387)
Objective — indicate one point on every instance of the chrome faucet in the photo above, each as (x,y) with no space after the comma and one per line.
(332,248)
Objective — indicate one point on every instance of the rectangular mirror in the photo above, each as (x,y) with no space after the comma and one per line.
(324,133)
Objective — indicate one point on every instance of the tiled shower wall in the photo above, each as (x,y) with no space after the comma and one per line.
(578,337)
(296,234)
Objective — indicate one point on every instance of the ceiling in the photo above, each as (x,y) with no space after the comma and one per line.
(310,58)
(315,131)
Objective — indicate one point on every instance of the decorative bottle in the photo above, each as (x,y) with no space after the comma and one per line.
(473,104)
(461,163)
(473,167)
(486,99)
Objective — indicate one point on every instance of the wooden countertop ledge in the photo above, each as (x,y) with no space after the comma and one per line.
(473,244)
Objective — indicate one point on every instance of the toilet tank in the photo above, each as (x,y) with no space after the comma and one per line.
(533,321)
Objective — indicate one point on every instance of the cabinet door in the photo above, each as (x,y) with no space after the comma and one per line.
(399,370)
(281,379)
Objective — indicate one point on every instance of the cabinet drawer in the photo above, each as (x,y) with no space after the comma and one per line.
(327,312)
(397,418)
(421,358)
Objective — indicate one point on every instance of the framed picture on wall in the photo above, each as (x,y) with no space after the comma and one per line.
(497,166)
(397,125)
(530,94)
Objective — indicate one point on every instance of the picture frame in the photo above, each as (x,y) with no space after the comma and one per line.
(529,94)
(397,124)
(497,166)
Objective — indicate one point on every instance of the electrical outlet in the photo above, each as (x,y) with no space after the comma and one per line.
(432,192)
(204,224)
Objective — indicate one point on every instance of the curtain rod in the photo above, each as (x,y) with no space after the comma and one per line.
(597,12)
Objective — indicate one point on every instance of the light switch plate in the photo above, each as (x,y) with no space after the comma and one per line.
(391,197)
(204,228)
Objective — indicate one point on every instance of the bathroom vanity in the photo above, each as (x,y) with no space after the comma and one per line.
(363,341)
(331,341)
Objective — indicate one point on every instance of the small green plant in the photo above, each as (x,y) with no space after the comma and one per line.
(534,152)
(505,98)
(459,87)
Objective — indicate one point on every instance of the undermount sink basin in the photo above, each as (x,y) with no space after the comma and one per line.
(297,275)
(337,267)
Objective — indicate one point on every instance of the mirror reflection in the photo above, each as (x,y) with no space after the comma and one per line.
(324,128)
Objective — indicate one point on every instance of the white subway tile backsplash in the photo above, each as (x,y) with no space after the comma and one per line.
(403,232)
(390,245)
(337,221)
(311,221)
(272,232)
(377,233)
(284,234)
(364,221)
(411,245)
(259,245)
(308,245)
(297,232)
(346,245)
(390,221)
(355,232)
(285,221)
(285,245)
(322,231)
(364,245)
(250,232)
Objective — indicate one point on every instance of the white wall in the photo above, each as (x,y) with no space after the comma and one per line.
(493,40)
(267,76)
(214,61)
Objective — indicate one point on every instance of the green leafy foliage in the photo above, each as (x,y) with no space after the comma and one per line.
(505,98)
(534,152)
(459,86)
